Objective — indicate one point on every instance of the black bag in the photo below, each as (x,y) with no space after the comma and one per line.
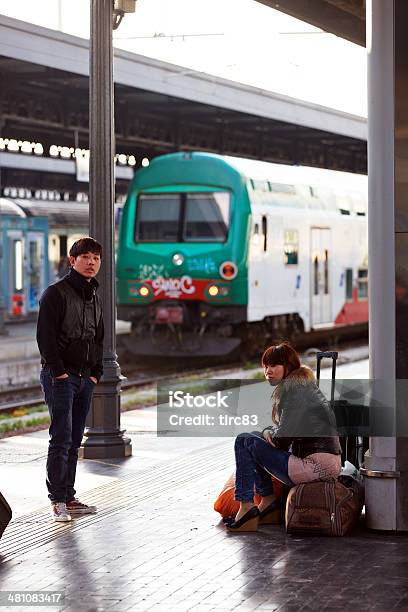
(351,419)
(5,514)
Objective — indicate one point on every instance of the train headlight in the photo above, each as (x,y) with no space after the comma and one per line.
(217,291)
(228,270)
(140,291)
(178,259)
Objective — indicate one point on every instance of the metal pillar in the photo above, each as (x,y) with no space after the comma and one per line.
(386,462)
(3,330)
(103,437)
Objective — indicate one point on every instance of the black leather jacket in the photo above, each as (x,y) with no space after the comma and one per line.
(70,327)
(307,423)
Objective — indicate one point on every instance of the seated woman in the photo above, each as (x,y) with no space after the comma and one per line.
(301,446)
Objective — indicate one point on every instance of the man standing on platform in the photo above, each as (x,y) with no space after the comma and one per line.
(70,340)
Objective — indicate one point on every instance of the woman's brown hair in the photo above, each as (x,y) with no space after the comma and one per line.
(282,354)
(285,355)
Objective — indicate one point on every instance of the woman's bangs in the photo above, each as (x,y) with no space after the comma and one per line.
(273,356)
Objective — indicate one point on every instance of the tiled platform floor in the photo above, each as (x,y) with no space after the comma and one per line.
(157,544)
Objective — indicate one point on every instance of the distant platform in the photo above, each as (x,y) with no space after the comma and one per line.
(19,356)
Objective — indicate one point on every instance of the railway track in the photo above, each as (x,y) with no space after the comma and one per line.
(29,396)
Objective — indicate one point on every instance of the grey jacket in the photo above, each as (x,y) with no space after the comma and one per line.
(307,423)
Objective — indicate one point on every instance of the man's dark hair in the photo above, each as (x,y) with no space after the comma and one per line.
(85,245)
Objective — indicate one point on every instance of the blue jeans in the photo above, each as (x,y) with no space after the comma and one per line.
(256,461)
(68,402)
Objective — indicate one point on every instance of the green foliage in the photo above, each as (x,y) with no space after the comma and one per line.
(22,411)
(21,425)
(137,402)
(257,376)
(250,365)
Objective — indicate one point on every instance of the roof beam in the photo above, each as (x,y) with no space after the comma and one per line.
(29,43)
(340,17)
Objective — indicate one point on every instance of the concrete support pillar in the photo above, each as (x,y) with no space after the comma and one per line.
(103,436)
(3,306)
(386,462)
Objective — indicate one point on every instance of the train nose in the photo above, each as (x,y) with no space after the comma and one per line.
(169,314)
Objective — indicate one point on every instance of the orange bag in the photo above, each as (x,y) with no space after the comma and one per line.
(225,503)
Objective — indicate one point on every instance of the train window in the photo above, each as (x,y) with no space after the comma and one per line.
(206,217)
(349,284)
(282,188)
(291,247)
(183,217)
(34,274)
(343,204)
(359,204)
(362,284)
(158,218)
(118,214)
(326,272)
(255,236)
(265,233)
(260,185)
(63,246)
(18,265)
(316,275)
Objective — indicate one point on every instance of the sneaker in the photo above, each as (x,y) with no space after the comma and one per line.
(59,512)
(76,507)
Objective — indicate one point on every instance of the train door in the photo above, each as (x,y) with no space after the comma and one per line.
(257,271)
(320,276)
(15,249)
(35,270)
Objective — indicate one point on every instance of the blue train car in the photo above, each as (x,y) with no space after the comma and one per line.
(24,272)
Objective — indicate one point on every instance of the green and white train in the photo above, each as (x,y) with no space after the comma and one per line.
(218,253)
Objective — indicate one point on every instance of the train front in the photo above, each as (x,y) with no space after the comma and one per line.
(182,257)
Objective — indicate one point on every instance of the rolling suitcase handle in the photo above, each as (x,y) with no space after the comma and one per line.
(327,355)
(330,355)
(357,444)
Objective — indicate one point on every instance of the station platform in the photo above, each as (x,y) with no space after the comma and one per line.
(157,544)
(19,356)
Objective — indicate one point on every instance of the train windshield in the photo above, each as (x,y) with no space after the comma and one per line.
(158,218)
(183,217)
(206,217)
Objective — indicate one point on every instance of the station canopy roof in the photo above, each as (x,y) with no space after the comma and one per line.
(345,18)
(161,108)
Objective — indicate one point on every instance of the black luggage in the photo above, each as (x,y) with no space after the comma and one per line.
(5,514)
(351,419)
